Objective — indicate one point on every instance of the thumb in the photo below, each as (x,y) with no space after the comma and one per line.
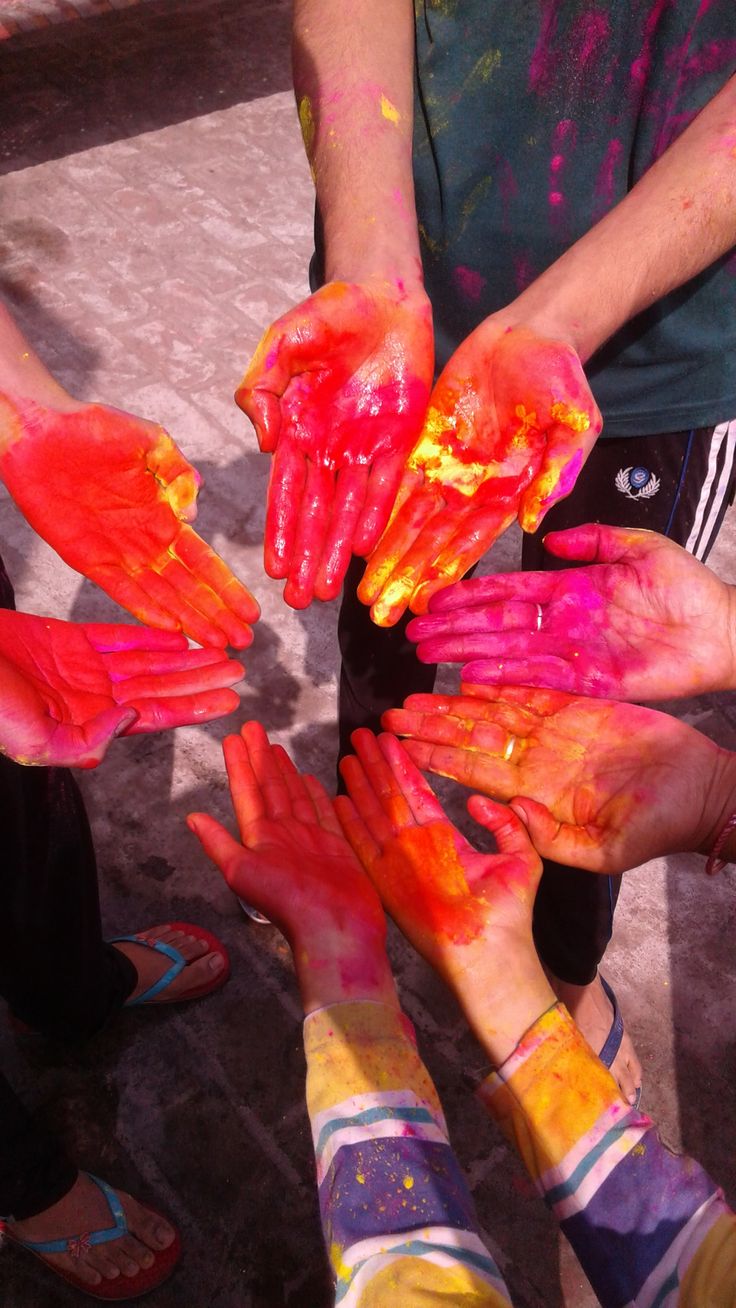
(225,851)
(507,827)
(594,543)
(96,735)
(175,473)
(543,829)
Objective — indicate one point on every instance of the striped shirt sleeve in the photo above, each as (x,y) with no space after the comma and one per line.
(398,1219)
(649,1227)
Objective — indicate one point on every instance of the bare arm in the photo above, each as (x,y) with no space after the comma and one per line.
(353,78)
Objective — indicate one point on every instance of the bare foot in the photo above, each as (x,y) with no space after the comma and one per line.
(85,1208)
(150,965)
(592,1011)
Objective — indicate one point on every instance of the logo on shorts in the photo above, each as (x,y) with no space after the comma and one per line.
(637,483)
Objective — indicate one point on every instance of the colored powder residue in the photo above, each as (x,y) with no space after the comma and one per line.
(424,883)
(482,69)
(306,122)
(408,1183)
(469,281)
(440,462)
(389,111)
(575,419)
(606,179)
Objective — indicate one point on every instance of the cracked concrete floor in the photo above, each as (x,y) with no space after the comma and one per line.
(156,216)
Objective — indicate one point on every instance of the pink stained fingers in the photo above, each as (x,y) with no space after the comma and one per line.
(309,539)
(208,567)
(285,490)
(476,592)
(192,681)
(550,671)
(347,506)
(85,745)
(159,714)
(480,619)
(383,487)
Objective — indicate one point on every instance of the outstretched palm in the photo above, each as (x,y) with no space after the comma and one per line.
(605,786)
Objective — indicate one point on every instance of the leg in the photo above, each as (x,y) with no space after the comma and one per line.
(679,485)
(379,665)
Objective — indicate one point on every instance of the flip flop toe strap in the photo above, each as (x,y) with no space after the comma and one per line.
(178,964)
(76,1245)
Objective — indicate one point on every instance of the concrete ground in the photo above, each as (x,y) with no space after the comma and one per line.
(156,217)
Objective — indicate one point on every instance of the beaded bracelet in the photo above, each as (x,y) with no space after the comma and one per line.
(715,862)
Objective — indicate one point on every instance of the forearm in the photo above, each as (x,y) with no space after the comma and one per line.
(398,1219)
(677,220)
(638,1218)
(353,78)
(22,374)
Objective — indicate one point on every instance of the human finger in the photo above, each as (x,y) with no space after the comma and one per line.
(509,831)
(566,844)
(126,641)
(130,595)
(245,791)
(455,728)
(167,595)
(412,567)
(205,602)
(189,681)
(285,489)
(175,474)
(564,454)
(123,663)
(385,783)
(161,714)
(85,745)
(366,801)
(300,796)
(477,592)
(347,506)
(383,486)
(353,826)
(417,509)
(208,567)
(324,806)
(275,794)
(309,538)
(421,799)
(552,671)
(473,534)
(223,849)
(489,773)
(596,543)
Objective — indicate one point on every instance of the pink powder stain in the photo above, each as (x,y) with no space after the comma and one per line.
(640,66)
(588,35)
(543,61)
(605,181)
(469,282)
(555,197)
(564,133)
(523,271)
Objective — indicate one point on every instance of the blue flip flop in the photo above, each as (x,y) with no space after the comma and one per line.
(615,1035)
(122,1287)
(178,963)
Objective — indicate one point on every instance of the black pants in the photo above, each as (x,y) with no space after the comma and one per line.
(679,485)
(56,973)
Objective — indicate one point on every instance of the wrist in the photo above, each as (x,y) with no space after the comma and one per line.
(730,636)
(502,993)
(341,965)
(721,805)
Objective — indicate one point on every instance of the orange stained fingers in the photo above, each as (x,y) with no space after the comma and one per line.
(134,597)
(416,508)
(206,602)
(479,735)
(352,824)
(205,564)
(488,773)
(170,468)
(196,625)
(424,805)
(324,806)
(472,537)
(412,568)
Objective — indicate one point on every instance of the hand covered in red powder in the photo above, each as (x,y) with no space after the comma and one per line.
(441,892)
(67,689)
(510,423)
(648,621)
(112,494)
(337,391)
(293,862)
(603,786)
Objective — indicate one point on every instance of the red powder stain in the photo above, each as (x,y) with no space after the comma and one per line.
(688,204)
(469,282)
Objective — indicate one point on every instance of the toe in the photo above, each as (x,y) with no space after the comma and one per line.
(149,1228)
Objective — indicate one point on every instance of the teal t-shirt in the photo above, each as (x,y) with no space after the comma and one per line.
(535,117)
